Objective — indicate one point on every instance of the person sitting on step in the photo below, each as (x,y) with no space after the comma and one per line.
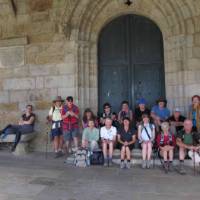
(186,142)
(56,130)
(140,110)
(25,126)
(166,143)
(87,116)
(90,136)
(146,136)
(106,113)
(108,137)
(160,113)
(125,112)
(126,139)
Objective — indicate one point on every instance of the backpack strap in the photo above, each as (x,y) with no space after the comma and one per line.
(147,133)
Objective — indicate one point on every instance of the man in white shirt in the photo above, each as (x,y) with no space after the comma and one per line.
(108,136)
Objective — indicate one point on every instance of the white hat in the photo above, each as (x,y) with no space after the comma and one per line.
(177,110)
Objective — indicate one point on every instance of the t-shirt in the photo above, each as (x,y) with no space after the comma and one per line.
(180,119)
(27,118)
(91,134)
(163,113)
(55,112)
(187,138)
(108,134)
(166,140)
(149,128)
(126,136)
(122,114)
(139,113)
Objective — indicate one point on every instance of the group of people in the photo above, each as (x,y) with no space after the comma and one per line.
(154,128)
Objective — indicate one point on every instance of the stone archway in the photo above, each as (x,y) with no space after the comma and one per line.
(89,18)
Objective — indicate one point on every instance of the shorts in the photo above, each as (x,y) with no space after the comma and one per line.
(56,132)
(70,134)
(130,146)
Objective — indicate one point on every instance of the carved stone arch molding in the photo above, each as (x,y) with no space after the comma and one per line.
(84,20)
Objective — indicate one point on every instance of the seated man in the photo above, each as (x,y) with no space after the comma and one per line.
(166,143)
(160,113)
(108,137)
(25,126)
(90,136)
(186,141)
(140,110)
(176,121)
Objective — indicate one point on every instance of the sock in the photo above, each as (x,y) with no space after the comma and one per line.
(181,161)
(128,161)
(122,160)
(170,161)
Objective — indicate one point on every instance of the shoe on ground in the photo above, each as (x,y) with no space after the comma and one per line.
(128,165)
(144,164)
(171,167)
(181,170)
(122,165)
(166,168)
(148,164)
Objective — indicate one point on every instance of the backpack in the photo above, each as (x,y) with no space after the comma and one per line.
(81,158)
(96,157)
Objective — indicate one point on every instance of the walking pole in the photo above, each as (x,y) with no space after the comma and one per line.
(47,139)
(194,163)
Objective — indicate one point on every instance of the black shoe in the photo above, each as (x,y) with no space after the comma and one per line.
(166,167)
(12,148)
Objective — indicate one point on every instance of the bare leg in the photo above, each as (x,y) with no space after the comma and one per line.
(149,150)
(171,155)
(144,151)
(123,153)
(56,143)
(110,149)
(128,153)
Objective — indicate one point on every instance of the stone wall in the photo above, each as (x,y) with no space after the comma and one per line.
(49,48)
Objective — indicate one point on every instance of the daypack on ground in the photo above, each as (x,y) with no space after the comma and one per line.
(82,158)
(96,157)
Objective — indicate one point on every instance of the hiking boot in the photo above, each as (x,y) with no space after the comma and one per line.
(171,168)
(148,164)
(105,163)
(181,169)
(144,164)
(128,165)
(110,163)
(122,165)
(166,168)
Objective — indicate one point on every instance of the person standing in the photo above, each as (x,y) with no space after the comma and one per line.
(70,124)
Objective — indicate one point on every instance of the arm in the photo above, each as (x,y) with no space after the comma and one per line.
(139,133)
(30,121)
(119,139)
(180,143)
(133,140)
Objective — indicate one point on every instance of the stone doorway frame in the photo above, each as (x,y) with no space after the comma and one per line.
(85,27)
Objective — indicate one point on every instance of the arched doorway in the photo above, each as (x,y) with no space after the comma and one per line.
(130,62)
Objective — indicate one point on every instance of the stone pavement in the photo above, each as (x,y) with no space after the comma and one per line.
(32,177)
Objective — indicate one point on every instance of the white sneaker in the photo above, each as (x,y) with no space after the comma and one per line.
(122,165)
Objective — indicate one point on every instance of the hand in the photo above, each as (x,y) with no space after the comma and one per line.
(125,143)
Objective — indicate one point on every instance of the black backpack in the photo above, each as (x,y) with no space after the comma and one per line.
(96,157)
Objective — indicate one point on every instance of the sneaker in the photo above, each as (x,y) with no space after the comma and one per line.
(122,165)
(148,164)
(171,168)
(105,163)
(12,148)
(110,162)
(144,164)
(166,167)
(181,169)
(128,165)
